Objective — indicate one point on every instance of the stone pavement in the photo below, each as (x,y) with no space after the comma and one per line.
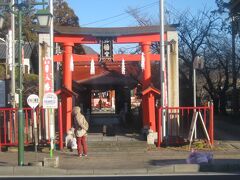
(122,155)
(128,154)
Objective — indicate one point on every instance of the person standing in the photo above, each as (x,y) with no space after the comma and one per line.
(81,127)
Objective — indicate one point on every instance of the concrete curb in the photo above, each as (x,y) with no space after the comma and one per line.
(169,169)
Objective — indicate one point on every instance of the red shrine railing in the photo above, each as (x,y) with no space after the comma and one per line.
(179,121)
(9,126)
(178,125)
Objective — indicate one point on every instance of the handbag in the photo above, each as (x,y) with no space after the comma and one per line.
(81,132)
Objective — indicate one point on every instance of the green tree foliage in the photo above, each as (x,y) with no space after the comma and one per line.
(29,24)
(30,83)
(63,14)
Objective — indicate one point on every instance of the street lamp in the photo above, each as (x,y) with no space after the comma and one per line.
(44,17)
(19,8)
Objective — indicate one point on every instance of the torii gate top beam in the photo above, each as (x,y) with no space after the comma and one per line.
(120,34)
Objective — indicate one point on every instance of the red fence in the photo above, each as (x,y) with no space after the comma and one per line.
(9,126)
(178,124)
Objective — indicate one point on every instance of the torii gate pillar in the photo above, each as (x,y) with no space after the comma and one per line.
(67,83)
(148,102)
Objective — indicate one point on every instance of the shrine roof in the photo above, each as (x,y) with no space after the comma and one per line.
(108,80)
(111,32)
(151,89)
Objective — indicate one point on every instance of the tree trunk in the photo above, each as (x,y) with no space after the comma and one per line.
(223,103)
(216,105)
(235,98)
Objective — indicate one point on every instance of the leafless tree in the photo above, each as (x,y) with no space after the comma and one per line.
(204,35)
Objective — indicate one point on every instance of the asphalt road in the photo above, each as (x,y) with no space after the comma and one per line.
(158,177)
(225,129)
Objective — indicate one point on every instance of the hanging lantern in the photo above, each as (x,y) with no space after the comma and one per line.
(71,64)
(143,61)
(123,67)
(92,67)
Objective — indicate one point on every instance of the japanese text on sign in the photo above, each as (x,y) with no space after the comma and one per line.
(48,85)
(33,101)
(106,49)
(50,100)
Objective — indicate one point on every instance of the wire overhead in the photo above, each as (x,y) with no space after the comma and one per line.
(121,14)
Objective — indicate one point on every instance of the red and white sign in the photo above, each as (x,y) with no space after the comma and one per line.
(33,101)
(47,74)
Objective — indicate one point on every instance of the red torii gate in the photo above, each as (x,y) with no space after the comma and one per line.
(68,36)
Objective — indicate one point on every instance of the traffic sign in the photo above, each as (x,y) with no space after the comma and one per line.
(33,101)
(50,101)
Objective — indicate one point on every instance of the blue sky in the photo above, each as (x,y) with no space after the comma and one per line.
(112,13)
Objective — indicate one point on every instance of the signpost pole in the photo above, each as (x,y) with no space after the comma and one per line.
(50,102)
(33,101)
(51,132)
(35,129)
(198,63)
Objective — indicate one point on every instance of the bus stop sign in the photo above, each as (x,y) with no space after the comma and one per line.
(50,101)
(33,101)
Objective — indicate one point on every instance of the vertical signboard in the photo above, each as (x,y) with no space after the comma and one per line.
(106,49)
(47,75)
(2,93)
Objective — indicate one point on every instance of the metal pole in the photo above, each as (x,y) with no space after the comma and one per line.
(13,56)
(35,129)
(51,111)
(60,125)
(162,65)
(194,98)
(13,87)
(211,124)
(194,88)
(20,108)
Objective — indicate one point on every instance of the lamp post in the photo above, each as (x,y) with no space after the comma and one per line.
(19,8)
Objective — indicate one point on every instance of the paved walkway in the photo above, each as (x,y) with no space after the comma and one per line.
(126,160)
(127,155)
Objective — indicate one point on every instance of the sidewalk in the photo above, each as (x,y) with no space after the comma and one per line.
(131,158)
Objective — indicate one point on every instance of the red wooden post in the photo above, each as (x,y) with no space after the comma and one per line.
(148,103)
(211,124)
(1,137)
(10,126)
(67,83)
(4,126)
(60,125)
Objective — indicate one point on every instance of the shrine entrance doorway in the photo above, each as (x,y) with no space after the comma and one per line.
(106,96)
(103,102)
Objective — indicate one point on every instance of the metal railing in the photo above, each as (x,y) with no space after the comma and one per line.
(179,122)
(9,126)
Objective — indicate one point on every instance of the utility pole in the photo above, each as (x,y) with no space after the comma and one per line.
(13,102)
(12,94)
(162,66)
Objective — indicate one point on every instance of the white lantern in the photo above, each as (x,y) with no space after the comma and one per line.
(44,17)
